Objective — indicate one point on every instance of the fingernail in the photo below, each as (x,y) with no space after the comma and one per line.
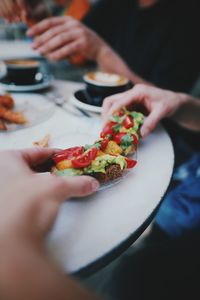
(29,32)
(95,185)
(143,132)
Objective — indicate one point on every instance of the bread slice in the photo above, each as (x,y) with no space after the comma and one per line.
(112,172)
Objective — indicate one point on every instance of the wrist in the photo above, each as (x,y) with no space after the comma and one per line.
(103,53)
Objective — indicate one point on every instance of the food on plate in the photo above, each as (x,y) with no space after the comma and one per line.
(12,116)
(123,130)
(43,143)
(2,125)
(6,101)
(105,159)
(91,160)
(7,114)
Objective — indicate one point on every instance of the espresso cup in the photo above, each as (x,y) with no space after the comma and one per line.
(22,71)
(100,85)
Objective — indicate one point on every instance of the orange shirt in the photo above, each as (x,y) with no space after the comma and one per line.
(78,9)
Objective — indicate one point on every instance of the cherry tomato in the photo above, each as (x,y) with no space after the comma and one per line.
(108,129)
(104,144)
(135,139)
(118,137)
(128,122)
(85,159)
(130,163)
(68,154)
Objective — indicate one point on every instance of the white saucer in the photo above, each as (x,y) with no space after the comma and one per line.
(11,87)
(84,106)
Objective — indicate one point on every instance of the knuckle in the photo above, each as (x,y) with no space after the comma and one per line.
(61,38)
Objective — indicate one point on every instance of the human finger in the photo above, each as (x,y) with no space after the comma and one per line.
(44,25)
(151,121)
(11,10)
(62,188)
(37,156)
(58,41)
(67,50)
(114,103)
(52,32)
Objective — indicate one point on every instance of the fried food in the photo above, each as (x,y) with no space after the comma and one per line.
(43,143)
(7,101)
(11,116)
(2,125)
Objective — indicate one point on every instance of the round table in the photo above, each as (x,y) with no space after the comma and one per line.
(91,232)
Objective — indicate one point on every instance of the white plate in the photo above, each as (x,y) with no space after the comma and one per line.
(87,107)
(73,139)
(36,109)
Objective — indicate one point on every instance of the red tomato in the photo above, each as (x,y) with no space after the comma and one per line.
(68,154)
(92,153)
(104,144)
(130,163)
(85,159)
(108,129)
(135,139)
(118,137)
(128,122)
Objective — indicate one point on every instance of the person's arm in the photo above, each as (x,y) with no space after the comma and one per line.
(110,61)
(29,204)
(188,114)
(60,37)
(27,273)
(160,104)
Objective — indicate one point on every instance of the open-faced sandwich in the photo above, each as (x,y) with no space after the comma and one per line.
(91,160)
(122,132)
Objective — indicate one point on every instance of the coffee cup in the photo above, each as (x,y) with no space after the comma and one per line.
(100,85)
(22,71)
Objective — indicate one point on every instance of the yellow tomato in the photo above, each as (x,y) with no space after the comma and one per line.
(65,164)
(113,149)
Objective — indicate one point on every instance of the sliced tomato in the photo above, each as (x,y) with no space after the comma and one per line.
(104,144)
(108,129)
(68,154)
(118,137)
(85,159)
(130,163)
(92,153)
(128,122)
(135,139)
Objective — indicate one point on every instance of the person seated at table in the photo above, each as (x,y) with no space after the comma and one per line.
(26,270)
(146,40)
(165,264)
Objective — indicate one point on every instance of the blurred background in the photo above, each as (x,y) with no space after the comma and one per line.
(63,70)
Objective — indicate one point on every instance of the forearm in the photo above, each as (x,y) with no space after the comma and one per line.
(188,115)
(28,274)
(109,61)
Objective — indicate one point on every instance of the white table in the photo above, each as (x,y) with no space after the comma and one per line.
(16,49)
(91,232)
